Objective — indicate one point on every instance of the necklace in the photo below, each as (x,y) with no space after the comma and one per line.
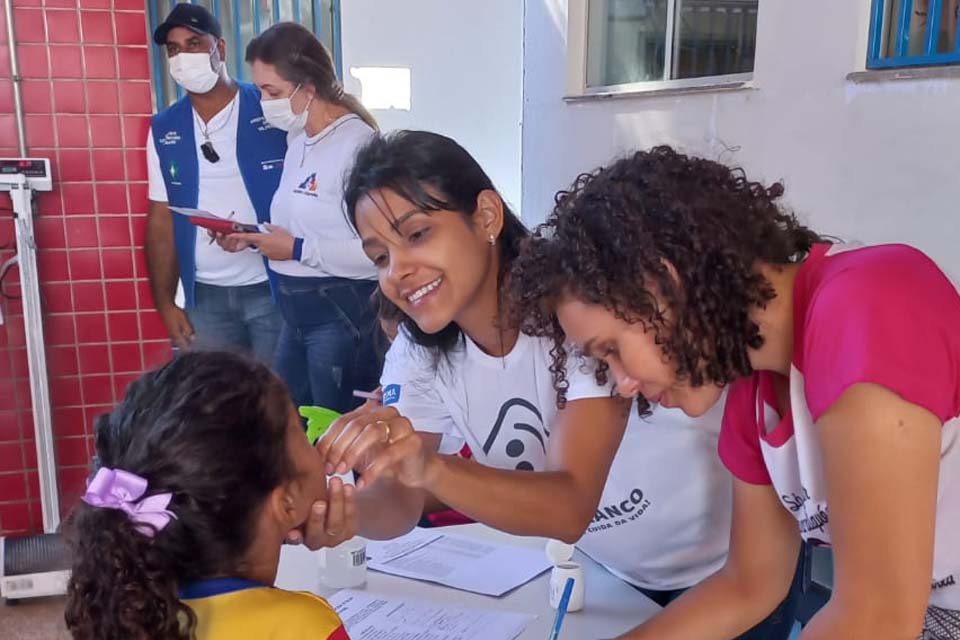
(207,147)
(309,146)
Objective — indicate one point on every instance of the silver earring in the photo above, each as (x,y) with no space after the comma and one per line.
(491,239)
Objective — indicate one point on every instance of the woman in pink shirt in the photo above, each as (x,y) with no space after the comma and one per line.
(841,425)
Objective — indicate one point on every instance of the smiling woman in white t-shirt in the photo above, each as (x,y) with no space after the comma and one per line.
(441,239)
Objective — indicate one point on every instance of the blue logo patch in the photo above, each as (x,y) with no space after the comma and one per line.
(391,394)
(308,187)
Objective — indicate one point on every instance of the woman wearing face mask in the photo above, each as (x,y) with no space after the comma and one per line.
(326,350)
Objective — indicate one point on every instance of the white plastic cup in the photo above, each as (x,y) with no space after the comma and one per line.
(344,566)
(558,580)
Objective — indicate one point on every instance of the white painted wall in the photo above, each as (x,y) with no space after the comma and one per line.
(878,162)
(465,59)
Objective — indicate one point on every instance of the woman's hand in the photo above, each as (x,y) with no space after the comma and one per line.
(379,442)
(332,521)
(276,243)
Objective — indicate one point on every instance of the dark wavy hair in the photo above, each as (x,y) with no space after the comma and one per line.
(299,57)
(433,173)
(210,428)
(612,239)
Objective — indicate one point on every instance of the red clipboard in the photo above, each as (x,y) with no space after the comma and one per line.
(215,223)
(223,226)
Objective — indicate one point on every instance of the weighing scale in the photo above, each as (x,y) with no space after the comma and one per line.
(32,566)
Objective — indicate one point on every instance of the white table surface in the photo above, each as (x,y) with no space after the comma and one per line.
(610,607)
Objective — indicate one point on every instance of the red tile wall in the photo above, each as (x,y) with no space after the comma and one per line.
(87,98)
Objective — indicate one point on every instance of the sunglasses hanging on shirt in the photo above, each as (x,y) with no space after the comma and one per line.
(207,147)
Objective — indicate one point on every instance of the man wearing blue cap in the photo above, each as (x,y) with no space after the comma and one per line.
(210,150)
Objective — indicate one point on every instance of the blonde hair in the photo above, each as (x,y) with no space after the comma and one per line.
(299,57)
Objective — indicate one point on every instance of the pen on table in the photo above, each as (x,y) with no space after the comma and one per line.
(366,395)
(562,609)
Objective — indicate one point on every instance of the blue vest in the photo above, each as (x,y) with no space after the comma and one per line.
(260,152)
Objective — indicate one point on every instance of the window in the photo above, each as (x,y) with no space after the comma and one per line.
(912,33)
(241,20)
(650,44)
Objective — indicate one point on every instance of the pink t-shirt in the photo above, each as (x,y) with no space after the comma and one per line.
(885,315)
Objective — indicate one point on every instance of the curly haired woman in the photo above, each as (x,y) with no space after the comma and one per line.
(843,362)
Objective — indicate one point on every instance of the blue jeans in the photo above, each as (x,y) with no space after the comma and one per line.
(776,626)
(327,346)
(236,318)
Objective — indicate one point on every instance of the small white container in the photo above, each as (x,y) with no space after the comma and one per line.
(558,580)
(344,566)
(559,554)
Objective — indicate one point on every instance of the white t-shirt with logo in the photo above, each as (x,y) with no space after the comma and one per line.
(222,191)
(309,202)
(663,521)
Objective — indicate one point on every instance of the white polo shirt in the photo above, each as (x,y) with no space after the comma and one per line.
(222,191)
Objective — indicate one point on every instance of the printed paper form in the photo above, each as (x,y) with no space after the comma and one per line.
(465,563)
(387,550)
(368,616)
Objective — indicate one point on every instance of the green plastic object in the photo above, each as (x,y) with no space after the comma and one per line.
(319,420)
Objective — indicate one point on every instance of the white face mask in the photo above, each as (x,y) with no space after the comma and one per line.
(194,71)
(278,112)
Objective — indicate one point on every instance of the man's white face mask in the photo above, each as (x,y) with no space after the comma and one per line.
(195,72)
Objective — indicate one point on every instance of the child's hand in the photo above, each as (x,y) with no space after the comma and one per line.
(330,522)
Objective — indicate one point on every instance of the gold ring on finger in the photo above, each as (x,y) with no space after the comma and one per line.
(386,430)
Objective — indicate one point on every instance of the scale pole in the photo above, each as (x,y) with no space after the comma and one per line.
(22,197)
(15,77)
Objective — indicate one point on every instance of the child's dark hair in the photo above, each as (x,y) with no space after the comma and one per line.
(610,238)
(299,57)
(210,428)
(433,173)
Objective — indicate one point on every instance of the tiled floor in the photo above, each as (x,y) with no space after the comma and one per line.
(35,619)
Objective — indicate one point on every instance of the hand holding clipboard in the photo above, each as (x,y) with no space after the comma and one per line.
(275,243)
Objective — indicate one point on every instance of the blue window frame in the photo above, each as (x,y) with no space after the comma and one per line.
(913,33)
(241,20)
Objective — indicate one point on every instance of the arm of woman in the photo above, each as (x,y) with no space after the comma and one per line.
(881,459)
(764,543)
(332,256)
(276,243)
(558,502)
(324,254)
